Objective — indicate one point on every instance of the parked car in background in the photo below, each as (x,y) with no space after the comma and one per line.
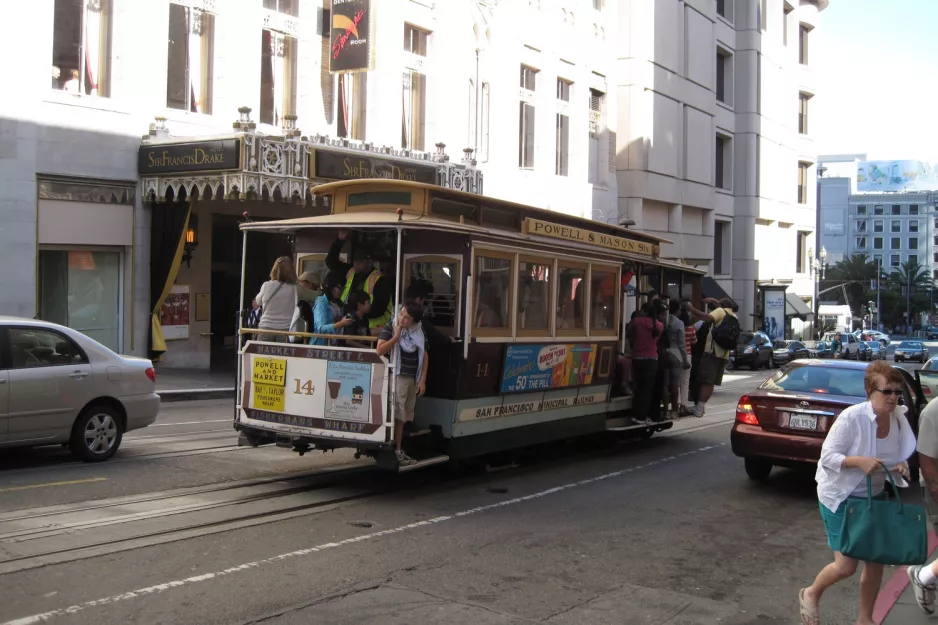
(787,351)
(59,386)
(876,335)
(908,351)
(849,344)
(753,350)
(931,333)
(820,349)
(931,365)
(872,350)
(785,420)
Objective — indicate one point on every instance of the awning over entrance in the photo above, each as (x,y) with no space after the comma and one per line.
(246,164)
(710,288)
(796,307)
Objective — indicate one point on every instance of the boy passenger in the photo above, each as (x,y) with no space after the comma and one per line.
(404,335)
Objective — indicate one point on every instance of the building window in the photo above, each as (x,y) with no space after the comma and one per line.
(287,7)
(352,105)
(720,238)
(913,259)
(913,209)
(82,290)
(895,243)
(936,239)
(894,260)
(278,77)
(81,47)
(861,243)
(877,225)
(724,76)
(878,209)
(562,146)
(492,298)
(598,5)
(896,209)
(913,225)
(877,243)
(861,226)
(861,209)
(414,120)
(786,14)
(803,31)
(801,259)
(723,159)
(895,226)
(189,59)
(803,113)
(803,182)
(526,118)
(913,244)
(935,257)
(597,99)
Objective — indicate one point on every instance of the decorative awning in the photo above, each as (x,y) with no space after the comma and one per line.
(795,307)
(248,165)
(711,288)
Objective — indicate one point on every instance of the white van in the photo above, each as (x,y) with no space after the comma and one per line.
(851,344)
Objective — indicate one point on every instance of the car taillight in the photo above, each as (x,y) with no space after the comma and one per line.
(151,373)
(745,413)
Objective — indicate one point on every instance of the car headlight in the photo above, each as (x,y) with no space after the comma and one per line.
(749,350)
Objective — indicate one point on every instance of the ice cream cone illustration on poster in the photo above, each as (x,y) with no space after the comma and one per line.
(349,391)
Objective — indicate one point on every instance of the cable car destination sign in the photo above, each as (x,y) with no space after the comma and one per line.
(589,237)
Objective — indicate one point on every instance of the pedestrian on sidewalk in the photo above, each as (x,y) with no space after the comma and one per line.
(863,438)
(924,578)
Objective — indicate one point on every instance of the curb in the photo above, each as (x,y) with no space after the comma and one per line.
(195,394)
(892,590)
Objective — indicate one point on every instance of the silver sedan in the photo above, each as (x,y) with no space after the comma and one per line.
(57,386)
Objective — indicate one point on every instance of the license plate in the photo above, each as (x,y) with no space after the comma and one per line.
(802,422)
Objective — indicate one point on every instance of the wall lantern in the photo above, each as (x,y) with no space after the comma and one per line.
(192,239)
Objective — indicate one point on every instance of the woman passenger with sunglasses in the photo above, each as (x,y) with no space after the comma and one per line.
(863,438)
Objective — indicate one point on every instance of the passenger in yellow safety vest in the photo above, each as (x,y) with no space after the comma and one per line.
(361,274)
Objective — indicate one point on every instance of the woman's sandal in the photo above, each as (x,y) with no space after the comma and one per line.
(809,615)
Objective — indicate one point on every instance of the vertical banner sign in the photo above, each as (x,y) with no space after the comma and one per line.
(350,36)
(773,313)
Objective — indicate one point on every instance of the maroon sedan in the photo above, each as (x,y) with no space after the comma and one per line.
(784,422)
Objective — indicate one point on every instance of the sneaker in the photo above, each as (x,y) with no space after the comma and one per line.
(698,411)
(924,595)
(403,459)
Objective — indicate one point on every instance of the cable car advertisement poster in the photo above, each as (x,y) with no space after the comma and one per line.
(543,367)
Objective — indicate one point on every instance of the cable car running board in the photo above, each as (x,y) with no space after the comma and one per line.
(420,464)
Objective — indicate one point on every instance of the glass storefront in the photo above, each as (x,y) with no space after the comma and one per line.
(82,290)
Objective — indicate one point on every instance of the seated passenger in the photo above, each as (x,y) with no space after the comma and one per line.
(357,309)
(327,310)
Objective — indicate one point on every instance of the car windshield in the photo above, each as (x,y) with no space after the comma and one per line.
(818,379)
(910,345)
(873,344)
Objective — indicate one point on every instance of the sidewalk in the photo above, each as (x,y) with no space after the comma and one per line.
(895,604)
(190,384)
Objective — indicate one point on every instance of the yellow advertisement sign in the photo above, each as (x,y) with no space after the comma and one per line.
(589,237)
(269,397)
(270,371)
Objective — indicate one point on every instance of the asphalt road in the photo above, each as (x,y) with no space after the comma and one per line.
(183,526)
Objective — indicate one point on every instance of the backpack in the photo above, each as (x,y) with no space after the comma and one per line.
(726,333)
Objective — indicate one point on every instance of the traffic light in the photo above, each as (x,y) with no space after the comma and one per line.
(869,308)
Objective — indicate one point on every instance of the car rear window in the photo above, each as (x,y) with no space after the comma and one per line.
(808,379)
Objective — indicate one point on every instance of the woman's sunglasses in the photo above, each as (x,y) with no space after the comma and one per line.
(889,391)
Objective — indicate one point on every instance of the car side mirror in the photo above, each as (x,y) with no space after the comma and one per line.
(927,382)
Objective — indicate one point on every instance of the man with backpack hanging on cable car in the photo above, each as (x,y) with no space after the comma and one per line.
(724,332)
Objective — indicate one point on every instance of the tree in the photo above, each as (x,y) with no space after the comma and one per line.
(856,272)
(916,277)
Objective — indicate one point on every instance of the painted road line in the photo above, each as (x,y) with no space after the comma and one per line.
(163,425)
(51,484)
(248,566)
(892,590)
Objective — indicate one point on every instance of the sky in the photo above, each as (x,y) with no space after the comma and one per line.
(877,79)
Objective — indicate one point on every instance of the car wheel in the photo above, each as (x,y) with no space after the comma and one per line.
(646,433)
(97,434)
(770,363)
(758,469)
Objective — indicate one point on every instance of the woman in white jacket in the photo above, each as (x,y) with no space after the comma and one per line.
(278,297)
(863,438)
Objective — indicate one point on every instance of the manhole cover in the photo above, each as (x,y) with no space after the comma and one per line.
(496,490)
(365,524)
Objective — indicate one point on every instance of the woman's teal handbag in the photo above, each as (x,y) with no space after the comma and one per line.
(885,532)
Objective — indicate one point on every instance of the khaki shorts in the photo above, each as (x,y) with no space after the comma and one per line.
(710,369)
(406,399)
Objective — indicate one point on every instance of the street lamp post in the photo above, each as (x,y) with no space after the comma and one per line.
(818,273)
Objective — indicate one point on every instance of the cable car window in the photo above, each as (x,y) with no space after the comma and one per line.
(534,296)
(436,279)
(492,293)
(604,300)
(367,198)
(454,210)
(571,293)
